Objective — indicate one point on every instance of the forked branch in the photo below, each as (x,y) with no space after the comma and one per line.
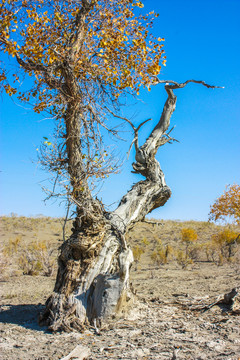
(153,192)
(176,85)
(153,142)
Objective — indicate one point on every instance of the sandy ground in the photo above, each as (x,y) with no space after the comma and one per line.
(157,327)
(152,330)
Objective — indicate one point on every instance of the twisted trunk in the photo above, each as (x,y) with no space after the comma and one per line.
(93,267)
(94,264)
(93,274)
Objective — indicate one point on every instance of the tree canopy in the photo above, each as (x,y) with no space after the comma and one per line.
(107,46)
(83,57)
(227,205)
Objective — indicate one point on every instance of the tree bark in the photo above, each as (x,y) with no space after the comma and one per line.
(94,264)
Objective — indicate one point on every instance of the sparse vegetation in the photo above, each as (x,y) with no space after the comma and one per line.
(145,241)
(137,253)
(162,254)
(24,248)
(29,245)
(4,263)
(226,241)
(36,259)
(154,278)
(183,259)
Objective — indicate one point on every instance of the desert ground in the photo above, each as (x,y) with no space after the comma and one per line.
(165,322)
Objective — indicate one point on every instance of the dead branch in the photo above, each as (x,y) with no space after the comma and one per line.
(152,222)
(229,299)
(177,85)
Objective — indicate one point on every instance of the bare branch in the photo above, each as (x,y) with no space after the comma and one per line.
(144,122)
(177,85)
(122,118)
(135,140)
(153,141)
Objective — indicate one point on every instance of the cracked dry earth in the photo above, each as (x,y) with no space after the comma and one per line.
(158,327)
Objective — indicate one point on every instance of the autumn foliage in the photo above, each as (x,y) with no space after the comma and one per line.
(227,205)
(118,52)
(188,235)
(81,58)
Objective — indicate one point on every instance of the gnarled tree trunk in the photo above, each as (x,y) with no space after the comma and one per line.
(94,264)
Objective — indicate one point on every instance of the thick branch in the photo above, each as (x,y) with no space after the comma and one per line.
(78,29)
(47,71)
(152,143)
(153,192)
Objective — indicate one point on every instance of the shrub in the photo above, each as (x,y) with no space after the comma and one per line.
(159,257)
(4,263)
(12,246)
(169,251)
(194,252)
(162,254)
(226,241)
(183,259)
(137,253)
(36,259)
(145,241)
(188,235)
(211,251)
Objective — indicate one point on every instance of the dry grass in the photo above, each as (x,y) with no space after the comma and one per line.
(157,282)
(189,242)
(30,245)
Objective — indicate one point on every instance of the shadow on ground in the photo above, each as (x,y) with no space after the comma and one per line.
(25,315)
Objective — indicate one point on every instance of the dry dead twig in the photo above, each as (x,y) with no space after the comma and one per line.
(229,299)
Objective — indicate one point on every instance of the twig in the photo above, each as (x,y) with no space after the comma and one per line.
(177,85)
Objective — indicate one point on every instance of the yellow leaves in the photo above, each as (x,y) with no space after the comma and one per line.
(135,42)
(103,43)
(226,236)
(138,4)
(3,76)
(9,90)
(5,35)
(227,205)
(40,107)
(58,17)
(188,235)
(117,48)
(154,69)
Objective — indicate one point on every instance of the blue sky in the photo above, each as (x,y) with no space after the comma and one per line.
(202,43)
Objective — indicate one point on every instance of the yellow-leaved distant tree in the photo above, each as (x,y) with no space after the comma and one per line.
(227,206)
(81,60)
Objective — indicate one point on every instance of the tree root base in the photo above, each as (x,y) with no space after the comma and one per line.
(62,317)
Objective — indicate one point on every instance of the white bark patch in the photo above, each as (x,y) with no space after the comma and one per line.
(102,266)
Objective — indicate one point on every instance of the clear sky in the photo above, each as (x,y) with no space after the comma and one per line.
(202,43)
